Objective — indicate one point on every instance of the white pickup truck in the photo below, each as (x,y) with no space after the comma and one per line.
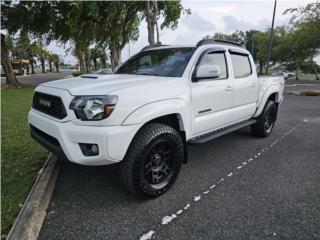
(155,103)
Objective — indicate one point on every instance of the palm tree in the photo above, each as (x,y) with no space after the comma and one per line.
(50,58)
(56,61)
(32,54)
(42,55)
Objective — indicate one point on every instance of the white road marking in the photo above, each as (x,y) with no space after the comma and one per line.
(197,198)
(148,235)
(168,219)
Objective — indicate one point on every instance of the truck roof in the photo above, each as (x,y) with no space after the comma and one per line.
(213,45)
(203,42)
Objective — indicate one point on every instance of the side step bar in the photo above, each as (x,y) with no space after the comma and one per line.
(221,131)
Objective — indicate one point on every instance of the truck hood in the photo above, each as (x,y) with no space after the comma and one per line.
(95,84)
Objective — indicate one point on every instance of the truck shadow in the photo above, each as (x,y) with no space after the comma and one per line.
(86,197)
(100,182)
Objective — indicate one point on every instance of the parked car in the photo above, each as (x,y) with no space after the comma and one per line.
(285,74)
(157,102)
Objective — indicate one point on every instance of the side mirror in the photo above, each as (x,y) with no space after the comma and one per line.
(206,71)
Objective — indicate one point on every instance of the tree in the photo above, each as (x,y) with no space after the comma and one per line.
(56,61)
(32,55)
(94,57)
(35,17)
(42,55)
(261,38)
(306,26)
(117,24)
(99,53)
(11,80)
(10,45)
(50,60)
(237,37)
(169,10)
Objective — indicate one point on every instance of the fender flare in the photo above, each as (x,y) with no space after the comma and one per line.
(152,110)
(271,90)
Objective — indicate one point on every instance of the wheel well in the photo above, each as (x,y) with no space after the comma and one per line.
(174,121)
(274,98)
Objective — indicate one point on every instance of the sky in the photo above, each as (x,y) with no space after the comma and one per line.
(208,17)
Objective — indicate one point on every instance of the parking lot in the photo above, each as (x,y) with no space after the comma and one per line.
(234,187)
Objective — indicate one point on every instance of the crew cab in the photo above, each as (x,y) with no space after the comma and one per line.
(144,115)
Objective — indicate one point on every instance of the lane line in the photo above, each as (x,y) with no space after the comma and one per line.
(167,219)
(179,212)
(148,235)
(197,198)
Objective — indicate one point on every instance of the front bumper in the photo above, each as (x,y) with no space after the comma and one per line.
(63,138)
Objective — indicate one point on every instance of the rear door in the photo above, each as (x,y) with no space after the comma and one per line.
(212,97)
(245,86)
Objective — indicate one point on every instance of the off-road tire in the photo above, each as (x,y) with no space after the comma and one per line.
(133,165)
(260,128)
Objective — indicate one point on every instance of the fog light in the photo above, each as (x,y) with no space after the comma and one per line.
(89,149)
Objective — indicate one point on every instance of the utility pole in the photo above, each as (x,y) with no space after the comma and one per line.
(271,36)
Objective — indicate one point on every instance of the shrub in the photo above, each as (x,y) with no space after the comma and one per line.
(76,74)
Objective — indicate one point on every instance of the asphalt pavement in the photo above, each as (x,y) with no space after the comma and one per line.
(234,187)
(36,79)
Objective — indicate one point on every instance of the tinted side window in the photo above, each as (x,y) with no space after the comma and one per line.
(241,65)
(216,59)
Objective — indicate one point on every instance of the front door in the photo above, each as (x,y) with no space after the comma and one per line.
(212,98)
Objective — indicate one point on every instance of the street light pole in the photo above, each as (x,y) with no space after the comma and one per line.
(271,35)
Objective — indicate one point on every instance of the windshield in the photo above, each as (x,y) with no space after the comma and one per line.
(166,62)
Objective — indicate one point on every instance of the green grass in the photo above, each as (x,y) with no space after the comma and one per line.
(21,157)
(303,76)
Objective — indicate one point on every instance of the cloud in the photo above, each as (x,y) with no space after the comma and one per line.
(233,24)
(197,23)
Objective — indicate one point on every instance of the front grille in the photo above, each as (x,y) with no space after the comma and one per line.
(49,104)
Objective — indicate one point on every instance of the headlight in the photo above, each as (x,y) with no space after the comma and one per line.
(91,108)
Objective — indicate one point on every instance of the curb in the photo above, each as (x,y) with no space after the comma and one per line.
(29,221)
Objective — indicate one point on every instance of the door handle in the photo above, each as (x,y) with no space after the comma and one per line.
(253,84)
(228,88)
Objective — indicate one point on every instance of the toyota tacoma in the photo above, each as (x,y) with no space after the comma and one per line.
(154,104)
